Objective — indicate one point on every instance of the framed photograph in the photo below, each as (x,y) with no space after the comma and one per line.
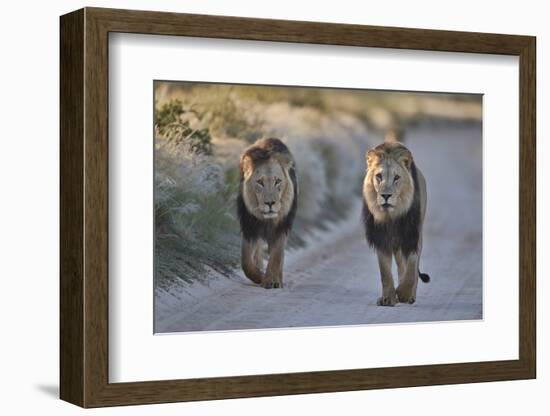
(255,207)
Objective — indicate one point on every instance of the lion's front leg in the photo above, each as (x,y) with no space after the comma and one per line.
(259,255)
(408,279)
(388,298)
(401,266)
(251,268)
(274,273)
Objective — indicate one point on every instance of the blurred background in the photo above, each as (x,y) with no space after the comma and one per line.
(201,129)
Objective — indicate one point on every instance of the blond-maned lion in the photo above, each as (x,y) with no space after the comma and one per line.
(266,206)
(394,206)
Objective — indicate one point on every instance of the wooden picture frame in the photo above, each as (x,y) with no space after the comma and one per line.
(84,207)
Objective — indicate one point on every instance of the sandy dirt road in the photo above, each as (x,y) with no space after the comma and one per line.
(335,280)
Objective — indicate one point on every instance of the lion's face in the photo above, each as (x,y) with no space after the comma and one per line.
(268,190)
(388,186)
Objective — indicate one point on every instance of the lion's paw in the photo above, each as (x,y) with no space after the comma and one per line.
(271,285)
(387,300)
(405,296)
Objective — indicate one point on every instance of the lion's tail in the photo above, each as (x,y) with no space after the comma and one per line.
(424,277)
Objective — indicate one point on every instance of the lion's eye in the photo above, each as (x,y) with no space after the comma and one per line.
(277,181)
(379,177)
(396,178)
(260,182)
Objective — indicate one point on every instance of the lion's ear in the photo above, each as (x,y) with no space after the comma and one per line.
(406,159)
(286,160)
(247,166)
(371,157)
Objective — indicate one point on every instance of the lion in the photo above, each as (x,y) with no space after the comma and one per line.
(266,207)
(394,207)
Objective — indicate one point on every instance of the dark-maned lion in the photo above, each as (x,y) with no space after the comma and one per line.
(266,207)
(394,206)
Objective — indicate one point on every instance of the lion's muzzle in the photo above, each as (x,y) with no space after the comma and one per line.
(270,210)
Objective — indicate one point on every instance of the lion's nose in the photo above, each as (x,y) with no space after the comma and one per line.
(386,197)
(270,204)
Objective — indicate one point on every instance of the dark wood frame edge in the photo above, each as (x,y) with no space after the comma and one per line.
(84,207)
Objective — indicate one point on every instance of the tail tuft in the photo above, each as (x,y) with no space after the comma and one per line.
(424,277)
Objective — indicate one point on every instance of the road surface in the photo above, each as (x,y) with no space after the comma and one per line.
(335,280)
